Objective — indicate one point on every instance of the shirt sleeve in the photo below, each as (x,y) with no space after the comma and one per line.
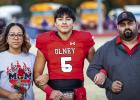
(96,65)
(89,42)
(40,43)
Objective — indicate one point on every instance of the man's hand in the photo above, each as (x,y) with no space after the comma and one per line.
(42,79)
(99,78)
(15,96)
(56,95)
(117,86)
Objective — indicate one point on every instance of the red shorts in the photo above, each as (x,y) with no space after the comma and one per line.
(80,93)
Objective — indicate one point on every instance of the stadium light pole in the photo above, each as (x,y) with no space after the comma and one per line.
(100,17)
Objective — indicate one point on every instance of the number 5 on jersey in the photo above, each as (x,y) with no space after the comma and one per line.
(66,67)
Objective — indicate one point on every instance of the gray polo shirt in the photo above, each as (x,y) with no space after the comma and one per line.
(120,66)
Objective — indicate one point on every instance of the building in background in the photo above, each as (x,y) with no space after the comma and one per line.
(42,15)
(42,18)
(88,12)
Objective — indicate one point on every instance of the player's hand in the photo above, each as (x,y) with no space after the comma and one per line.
(42,79)
(56,95)
(117,86)
(99,78)
(15,96)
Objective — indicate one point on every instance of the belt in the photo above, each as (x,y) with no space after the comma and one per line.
(65,84)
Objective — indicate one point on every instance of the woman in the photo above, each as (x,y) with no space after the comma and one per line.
(16,64)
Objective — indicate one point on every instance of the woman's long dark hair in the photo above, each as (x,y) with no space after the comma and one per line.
(3,39)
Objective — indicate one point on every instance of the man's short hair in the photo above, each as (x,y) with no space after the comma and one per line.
(64,10)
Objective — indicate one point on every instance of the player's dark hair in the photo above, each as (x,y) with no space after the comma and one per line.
(64,10)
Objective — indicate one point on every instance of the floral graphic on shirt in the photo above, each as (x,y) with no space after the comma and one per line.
(20,77)
(20,73)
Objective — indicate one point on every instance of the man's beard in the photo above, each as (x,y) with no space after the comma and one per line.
(128,35)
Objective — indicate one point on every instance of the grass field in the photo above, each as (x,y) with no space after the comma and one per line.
(93,92)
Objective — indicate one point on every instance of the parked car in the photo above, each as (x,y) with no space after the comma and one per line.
(10,13)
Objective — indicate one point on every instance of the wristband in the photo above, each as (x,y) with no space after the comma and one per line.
(47,89)
(103,71)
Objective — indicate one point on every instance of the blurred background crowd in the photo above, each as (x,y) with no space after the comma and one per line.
(97,16)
